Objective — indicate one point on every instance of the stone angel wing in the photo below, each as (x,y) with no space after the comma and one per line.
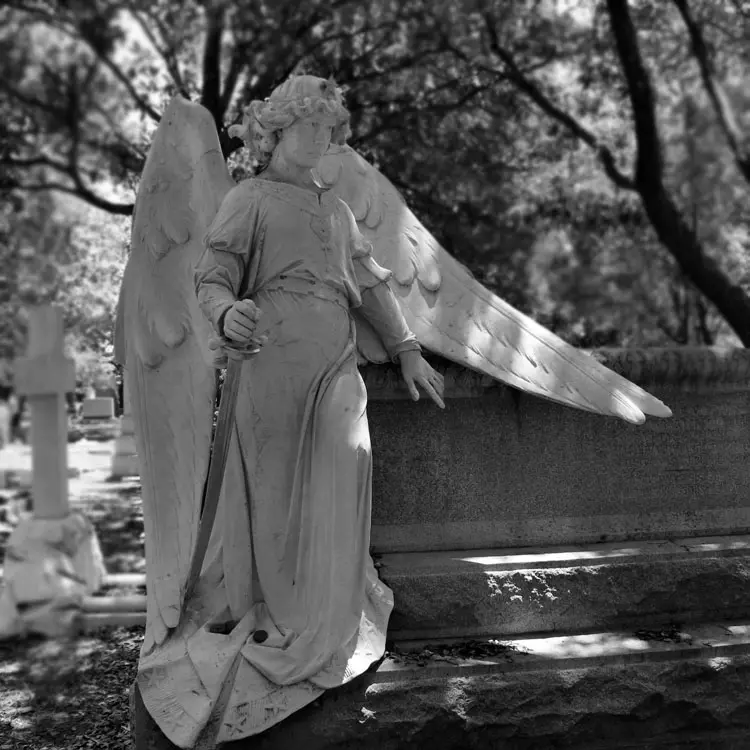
(455,316)
(161,339)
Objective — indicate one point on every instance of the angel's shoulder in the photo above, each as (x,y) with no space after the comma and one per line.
(236,218)
(244,193)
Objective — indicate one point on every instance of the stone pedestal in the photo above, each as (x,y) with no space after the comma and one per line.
(503,469)
(697,703)
(506,514)
(125,459)
(50,565)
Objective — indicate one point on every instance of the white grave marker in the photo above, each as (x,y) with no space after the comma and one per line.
(98,408)
(125,460)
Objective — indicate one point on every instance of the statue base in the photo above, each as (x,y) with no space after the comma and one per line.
(50,565)
(665,696)
(144,731)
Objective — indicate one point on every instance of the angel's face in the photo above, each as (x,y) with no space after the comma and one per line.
(305,142)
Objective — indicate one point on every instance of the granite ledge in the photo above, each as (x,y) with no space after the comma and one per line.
(679,367)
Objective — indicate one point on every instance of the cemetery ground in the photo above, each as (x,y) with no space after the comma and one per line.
(73,694)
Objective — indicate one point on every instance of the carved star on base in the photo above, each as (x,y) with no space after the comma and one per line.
(173,721)
(276,703)
(235,726)
(153,676)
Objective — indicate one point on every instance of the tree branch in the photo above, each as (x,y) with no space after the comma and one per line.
(74,31)
(236,66)
(71,115)
(32,101)
(121,209)
(393,119)
(670,225)
(37,161)
(649,168)
(166,53)
(719,101)
(116,71)
(524,84)
(211,87)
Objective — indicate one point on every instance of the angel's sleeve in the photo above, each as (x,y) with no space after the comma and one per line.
(228,243)
(379,304)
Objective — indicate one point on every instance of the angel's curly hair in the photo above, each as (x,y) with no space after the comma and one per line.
(299,96)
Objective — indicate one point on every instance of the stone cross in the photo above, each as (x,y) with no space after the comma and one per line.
(44,376)
(53,559)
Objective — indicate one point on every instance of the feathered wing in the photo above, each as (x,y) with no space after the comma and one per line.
(162,342)
(453,315)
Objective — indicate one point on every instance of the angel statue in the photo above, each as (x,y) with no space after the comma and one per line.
(316,264)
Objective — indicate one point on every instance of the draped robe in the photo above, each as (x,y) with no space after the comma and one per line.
(289,552)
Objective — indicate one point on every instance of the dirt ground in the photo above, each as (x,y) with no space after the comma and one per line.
(71,695)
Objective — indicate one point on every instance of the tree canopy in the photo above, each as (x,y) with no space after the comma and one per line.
(585,158)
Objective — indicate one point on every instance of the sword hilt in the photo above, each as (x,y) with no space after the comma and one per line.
(237,351)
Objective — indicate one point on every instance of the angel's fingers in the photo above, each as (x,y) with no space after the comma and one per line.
(249,309)
(440,388)
(432,392)
(437,380)
(239,327)
(412,386)
(240,337)
(244,318)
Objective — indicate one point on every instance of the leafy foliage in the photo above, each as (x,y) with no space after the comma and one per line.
(72,259)
(572,154)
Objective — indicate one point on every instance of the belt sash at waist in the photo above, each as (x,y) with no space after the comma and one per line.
(317,289)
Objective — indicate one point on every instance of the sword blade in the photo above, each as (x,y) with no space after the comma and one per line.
(216,466)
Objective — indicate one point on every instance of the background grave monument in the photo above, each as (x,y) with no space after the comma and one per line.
(99,407)
(53,563)
(52,558)
(125,458)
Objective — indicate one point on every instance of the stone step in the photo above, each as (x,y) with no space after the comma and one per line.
(459,657)
(580,588)
(590,692)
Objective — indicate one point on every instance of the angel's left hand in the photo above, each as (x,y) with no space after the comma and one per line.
(415,370)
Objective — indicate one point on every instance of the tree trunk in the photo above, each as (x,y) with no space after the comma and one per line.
(671,228)
(727,295)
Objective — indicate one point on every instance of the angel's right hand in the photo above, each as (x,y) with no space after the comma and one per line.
(241,320)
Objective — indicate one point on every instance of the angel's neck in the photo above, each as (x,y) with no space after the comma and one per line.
(283,170)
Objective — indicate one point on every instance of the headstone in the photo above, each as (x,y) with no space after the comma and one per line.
(5,420)
(101,407)
(52,557)
(125,460)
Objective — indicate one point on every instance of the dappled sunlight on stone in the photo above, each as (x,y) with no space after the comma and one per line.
(594,644)
(543,558)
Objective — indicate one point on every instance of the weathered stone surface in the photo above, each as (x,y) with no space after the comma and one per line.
(457,595)
(50,565)
(500,468)
(687,704)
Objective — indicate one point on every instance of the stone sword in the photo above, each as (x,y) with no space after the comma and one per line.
(236,356)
